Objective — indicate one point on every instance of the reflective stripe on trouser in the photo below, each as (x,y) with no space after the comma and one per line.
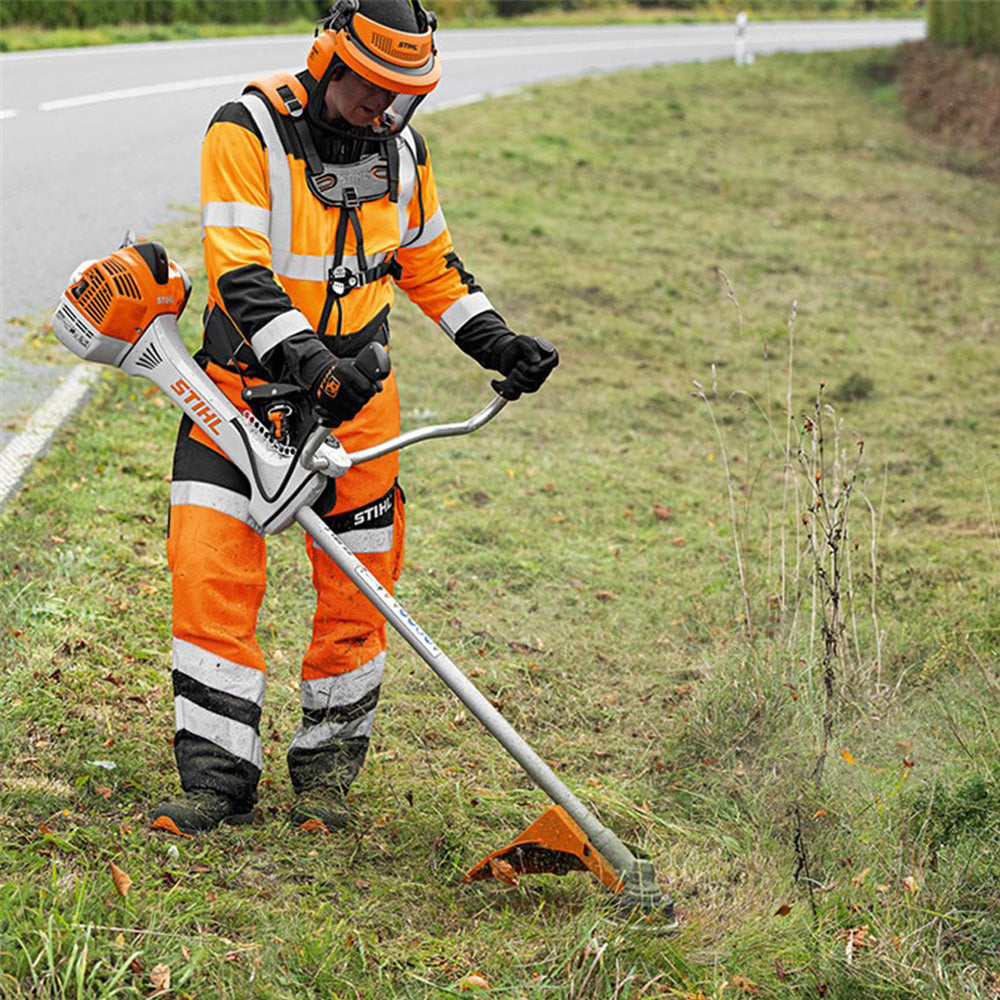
(218,564)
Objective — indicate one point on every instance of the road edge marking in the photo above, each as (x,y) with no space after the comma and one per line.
(20,453)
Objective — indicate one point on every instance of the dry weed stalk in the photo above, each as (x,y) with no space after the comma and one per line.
(832,484)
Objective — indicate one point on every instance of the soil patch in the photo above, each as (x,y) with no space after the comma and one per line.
(954,94)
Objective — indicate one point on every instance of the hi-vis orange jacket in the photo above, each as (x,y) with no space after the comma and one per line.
(271,245)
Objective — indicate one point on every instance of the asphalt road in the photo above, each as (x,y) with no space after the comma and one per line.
(100,140)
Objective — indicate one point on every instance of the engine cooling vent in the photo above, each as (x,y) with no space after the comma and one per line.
(96,298)
(127,287)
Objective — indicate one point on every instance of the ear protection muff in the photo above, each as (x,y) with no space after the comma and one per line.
(323,48)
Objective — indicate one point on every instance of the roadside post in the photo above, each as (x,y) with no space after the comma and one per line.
(740,56)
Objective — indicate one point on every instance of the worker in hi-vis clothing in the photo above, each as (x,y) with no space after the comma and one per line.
(317,196)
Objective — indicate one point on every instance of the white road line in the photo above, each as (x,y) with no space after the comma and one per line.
(154,88)
(81,100)
(7,113)
(130,48)
(16,458)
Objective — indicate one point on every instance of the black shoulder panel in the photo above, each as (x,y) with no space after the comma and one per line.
(235,113)
(421,146)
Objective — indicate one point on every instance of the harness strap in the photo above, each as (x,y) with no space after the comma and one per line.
(314,165)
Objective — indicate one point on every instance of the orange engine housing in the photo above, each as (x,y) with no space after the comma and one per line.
(124,292)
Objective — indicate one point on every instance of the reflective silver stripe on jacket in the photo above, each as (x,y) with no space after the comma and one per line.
(283,326)
(279,174)
(241,214)
(420,236)
(407,177)
(191,491)
(460,312)
(312,267)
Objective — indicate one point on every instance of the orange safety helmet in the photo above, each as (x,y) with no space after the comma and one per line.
(374,39)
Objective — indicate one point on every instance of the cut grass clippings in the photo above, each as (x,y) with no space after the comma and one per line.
(625,568)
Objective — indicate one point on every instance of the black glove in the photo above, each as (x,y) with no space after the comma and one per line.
(527,362)
(337,387)
(342,390)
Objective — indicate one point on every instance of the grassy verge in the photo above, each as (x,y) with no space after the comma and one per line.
(625,567)
(20,38)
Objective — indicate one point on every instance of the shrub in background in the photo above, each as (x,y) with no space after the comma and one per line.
(974,24)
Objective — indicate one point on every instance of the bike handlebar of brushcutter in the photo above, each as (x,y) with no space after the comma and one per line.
(373,361)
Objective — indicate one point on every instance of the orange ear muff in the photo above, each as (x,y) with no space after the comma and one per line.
(321,54)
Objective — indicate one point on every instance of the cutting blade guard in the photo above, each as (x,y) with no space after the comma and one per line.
(555,844)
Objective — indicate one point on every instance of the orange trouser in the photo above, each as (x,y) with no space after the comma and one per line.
(218,565)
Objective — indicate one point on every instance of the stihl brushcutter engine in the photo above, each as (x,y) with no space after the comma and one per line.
(122,311)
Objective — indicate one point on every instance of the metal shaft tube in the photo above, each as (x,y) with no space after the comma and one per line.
(540,773)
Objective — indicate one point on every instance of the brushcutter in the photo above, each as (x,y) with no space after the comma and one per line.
(122,311)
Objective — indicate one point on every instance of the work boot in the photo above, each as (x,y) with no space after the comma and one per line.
(197,811)
(321,806)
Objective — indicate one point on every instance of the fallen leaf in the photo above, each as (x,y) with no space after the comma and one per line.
(910,885)
(860,877)
(662,513)
(605,595)
(57,539)
(44,827)
(504,871)
(857,937)
(105,792)
(783,910)
(846,754)
(159,976)
(122,882)
(473,982)
(742,983)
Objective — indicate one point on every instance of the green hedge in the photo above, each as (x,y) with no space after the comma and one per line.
(974,24)
(93,13)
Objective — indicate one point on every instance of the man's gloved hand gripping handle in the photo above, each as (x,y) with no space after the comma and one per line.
(525,361)
(337,387)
